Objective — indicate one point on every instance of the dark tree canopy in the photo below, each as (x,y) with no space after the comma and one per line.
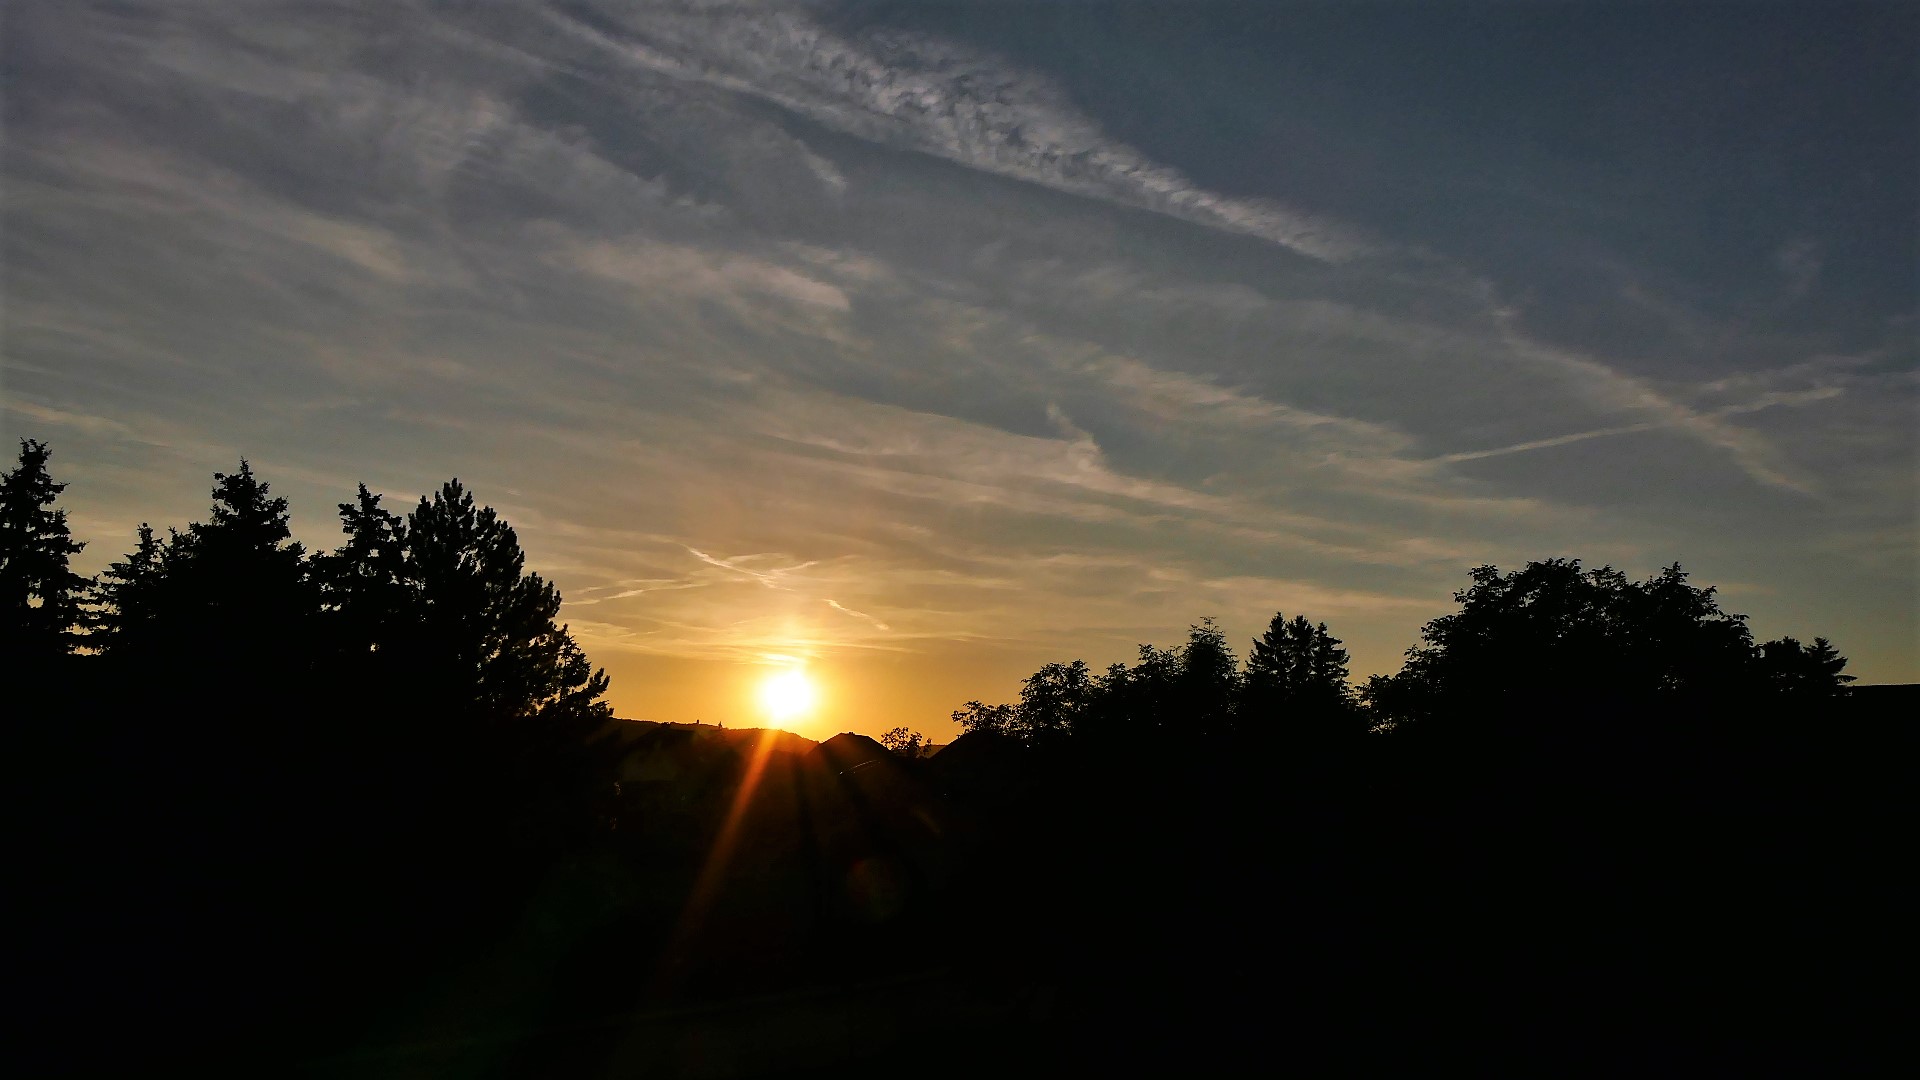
(1798,670)
(245,572)
(1297,681)
(1553,629)
(364,582)
(1053,702)
(1209,680)
(128,597)
(40,593)
(1139,700)
(435,607)
(443,593)
(1295,660)
(904,742)
(1194,688)
(978,716)
(235,585)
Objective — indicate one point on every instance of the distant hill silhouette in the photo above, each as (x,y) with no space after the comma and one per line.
(983,769)
(848,750)
(648,736)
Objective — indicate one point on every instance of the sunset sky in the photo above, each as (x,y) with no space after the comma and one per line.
(928,343)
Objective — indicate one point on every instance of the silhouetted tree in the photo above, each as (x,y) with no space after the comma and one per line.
(1553,630)
(903,742)
(1209,681)
(248,573)
(1297,678)
(233,589)
(127,597)
(974,716)
(1140,700)
(1295,659)
(364,583)
(1053,703)
(1193,688)
(443,594)
(41,595)
(1803,670)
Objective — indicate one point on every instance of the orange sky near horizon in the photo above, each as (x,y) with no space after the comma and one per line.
(861,694)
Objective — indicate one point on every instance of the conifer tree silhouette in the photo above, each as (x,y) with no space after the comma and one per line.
(1296,681)
(126,598)
(40,594)
(442,595)
(489,624)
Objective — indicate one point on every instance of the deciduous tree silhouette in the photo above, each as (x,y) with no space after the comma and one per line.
(40,594)
(1054,702)
(903,742)
(1193,688)
(1552,630)
(975,716)
(1138,701)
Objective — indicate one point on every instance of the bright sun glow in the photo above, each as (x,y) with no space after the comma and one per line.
(787,695)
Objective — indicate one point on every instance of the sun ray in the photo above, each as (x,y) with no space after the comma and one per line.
(714,870)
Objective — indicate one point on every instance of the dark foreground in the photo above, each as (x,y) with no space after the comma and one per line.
(225,887)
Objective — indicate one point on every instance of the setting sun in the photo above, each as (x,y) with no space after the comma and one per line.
(787,695)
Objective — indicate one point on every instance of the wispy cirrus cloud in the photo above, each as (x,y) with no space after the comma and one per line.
(921,93)
(1613,390)
(733,310)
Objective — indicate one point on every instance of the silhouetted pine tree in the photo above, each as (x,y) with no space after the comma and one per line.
(127,598)
(40,595)
(487,626)
(247,574)
(1810,671)
(363,584)
(230,593)
(440,601)
(1209,682)
(1296,681)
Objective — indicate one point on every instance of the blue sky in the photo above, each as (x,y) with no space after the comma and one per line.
(932,342)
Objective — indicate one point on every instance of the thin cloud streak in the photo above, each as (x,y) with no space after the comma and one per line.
(924,94)
(861,615)
(1609,388)
(759,377)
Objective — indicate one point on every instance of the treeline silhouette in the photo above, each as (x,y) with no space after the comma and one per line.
(272,783)
(363,812)
(1590,823)
(1544,634)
